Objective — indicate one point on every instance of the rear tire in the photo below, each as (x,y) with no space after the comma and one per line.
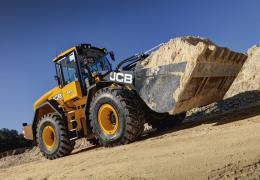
(115,117)
(52,137)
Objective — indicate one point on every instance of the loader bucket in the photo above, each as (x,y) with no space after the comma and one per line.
(185,73)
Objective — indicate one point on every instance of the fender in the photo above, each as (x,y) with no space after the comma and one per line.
(46,107)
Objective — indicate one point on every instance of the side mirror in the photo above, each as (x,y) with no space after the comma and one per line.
(112,55)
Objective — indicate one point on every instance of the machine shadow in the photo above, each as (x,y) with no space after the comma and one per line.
(236,108)
(84,150)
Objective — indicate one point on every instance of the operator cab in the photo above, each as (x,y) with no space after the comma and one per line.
(80,66)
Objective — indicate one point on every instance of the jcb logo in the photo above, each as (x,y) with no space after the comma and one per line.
(57,97)
(121,77)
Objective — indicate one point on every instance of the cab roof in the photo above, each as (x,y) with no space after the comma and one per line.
(81,46)
(64,54)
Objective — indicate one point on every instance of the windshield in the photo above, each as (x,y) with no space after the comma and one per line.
(95,63)
(99,65)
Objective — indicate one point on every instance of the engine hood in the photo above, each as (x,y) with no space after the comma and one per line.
(47,96)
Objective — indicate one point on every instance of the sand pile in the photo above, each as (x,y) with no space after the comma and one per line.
(179,49)
(29,155)
(249,77)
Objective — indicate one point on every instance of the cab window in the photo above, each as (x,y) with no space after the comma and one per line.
(69,69)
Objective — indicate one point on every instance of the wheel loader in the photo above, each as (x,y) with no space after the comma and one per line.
(109,106)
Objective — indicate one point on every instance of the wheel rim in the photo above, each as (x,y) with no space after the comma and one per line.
(108,119)
(49,137)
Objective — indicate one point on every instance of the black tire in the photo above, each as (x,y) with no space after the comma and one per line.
(163,121)
(130,120)
(61,146)
(141,113)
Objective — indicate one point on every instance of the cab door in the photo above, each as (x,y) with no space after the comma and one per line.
(71,87)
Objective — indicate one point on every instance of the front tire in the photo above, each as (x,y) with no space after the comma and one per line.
(115,117)
(52,137)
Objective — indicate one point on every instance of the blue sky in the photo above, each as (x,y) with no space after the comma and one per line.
(32,32)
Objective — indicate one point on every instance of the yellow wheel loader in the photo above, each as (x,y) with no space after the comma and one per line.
(110,106)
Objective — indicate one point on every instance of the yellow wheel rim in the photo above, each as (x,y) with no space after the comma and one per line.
(108,119)
(48,137)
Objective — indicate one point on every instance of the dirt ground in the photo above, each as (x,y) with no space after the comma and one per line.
(211,144)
